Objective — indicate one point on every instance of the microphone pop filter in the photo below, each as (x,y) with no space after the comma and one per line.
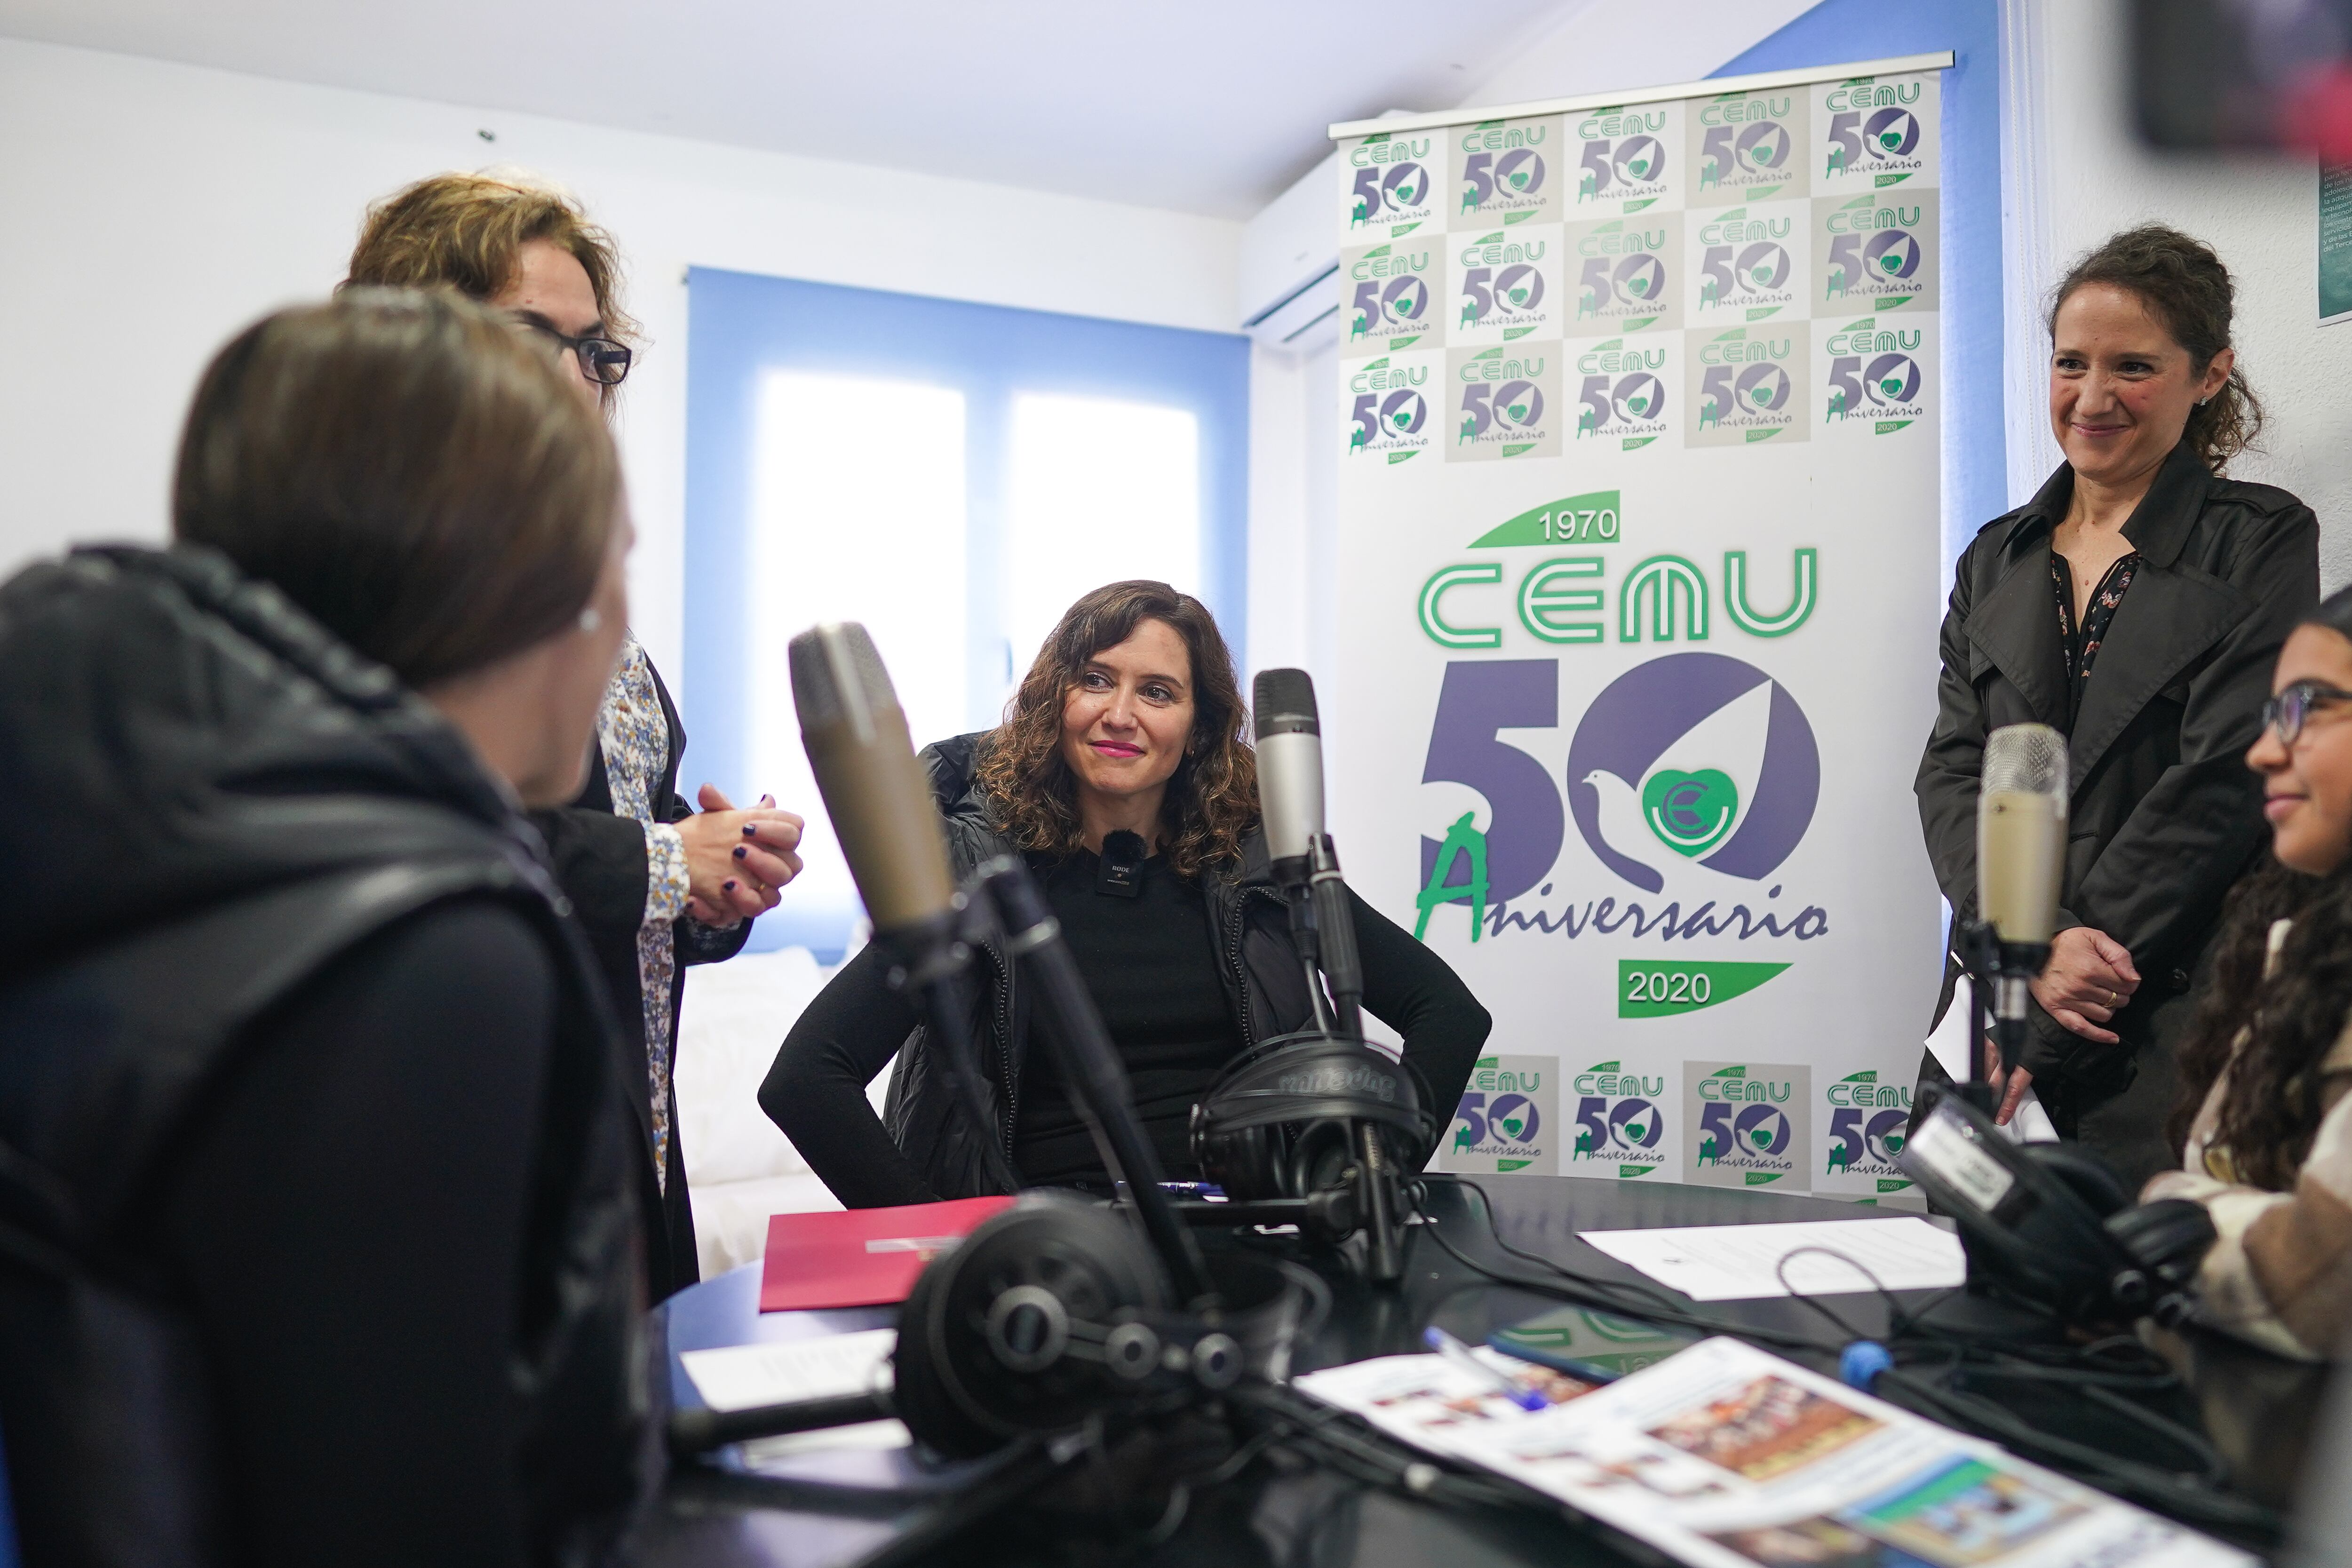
(2025,759)
(1283,702)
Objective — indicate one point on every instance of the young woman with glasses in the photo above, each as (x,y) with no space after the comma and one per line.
(2264,1121)
(2134,604)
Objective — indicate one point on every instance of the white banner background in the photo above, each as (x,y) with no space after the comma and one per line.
(1638,519)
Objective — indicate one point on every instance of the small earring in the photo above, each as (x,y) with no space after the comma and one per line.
(590,620)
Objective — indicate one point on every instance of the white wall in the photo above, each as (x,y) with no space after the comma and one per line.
(2089,178)
(148,210)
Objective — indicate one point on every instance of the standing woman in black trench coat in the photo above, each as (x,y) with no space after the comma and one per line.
(2137,604)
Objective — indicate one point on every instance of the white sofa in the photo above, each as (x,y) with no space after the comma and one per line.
(741,1168)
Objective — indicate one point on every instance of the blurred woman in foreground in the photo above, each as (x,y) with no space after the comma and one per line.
(317,1241)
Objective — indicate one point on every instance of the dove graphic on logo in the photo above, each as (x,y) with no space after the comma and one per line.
(1695,758)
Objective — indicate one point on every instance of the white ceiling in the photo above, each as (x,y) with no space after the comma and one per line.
(1213,107)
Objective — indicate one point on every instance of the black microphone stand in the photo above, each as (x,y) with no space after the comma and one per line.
(1324,929)
(1375,1182)
(1004,888)
(2000,975)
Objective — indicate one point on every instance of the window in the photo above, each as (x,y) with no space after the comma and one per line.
(1100,491)
(952,476)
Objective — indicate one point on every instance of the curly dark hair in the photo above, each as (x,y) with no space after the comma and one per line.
(1212,801)
(2186,288)
(2271,1111)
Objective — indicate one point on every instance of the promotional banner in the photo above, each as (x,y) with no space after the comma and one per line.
(1638,588)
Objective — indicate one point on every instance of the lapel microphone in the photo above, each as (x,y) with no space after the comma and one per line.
(1121,876)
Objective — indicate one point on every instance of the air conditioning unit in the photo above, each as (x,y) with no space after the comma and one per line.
(1290,265)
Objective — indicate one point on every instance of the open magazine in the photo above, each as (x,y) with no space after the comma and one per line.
(1724,1456)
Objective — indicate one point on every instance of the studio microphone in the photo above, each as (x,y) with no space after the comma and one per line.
(879,800)
(2021,857)
(875,790)
(1289,771)
(1291,800)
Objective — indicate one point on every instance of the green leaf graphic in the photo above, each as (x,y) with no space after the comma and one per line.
(1690,813)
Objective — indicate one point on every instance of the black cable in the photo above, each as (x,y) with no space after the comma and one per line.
(1580,1291)
(2166,1493)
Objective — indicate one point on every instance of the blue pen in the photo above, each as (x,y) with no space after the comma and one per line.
(1455,1352)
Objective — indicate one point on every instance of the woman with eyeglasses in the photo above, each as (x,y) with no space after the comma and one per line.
(2136,603)
(2265,1120)
(657,884)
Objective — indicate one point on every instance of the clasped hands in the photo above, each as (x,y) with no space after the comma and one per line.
(736,861)
(2089,978)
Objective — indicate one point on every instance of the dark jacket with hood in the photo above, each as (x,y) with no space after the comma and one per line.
(208,802)
(1264,985)
(2163,813)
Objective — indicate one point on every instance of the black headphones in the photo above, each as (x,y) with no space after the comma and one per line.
(2047,1223)
(1280,1121)
(1049,1313)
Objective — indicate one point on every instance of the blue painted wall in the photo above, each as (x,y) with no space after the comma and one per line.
(1976,473)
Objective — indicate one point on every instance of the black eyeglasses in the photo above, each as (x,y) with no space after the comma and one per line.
(2283,714)
(601,360)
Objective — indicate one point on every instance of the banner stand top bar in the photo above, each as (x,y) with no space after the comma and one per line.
(1942,59)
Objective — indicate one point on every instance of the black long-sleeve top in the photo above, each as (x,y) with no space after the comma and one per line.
(1149,964)
(349,1224)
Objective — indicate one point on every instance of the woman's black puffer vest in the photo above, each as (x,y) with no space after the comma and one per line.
(290,800)
(1266,988)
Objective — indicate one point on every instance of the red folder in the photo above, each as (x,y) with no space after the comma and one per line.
(863,1258)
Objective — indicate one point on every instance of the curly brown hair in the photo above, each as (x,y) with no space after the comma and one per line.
(2271,1111)
(465,232)
(1212,801)
(2184,287)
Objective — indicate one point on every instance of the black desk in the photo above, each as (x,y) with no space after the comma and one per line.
(715,1520)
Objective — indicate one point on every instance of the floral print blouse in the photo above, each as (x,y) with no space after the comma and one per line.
(635,739)
(2081,644)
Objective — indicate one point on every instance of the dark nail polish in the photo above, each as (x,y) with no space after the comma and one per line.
(740,852)
(750,831)
(728,885)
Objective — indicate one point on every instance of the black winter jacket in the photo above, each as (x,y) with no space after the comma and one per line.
(284,802)
(2163,814)
(1264,985)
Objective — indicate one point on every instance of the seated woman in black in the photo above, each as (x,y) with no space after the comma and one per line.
(318,1239)
(1130,722)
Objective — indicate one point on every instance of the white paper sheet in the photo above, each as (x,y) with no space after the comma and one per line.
(1736,1262)
(743,1378)
(1949,1045)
